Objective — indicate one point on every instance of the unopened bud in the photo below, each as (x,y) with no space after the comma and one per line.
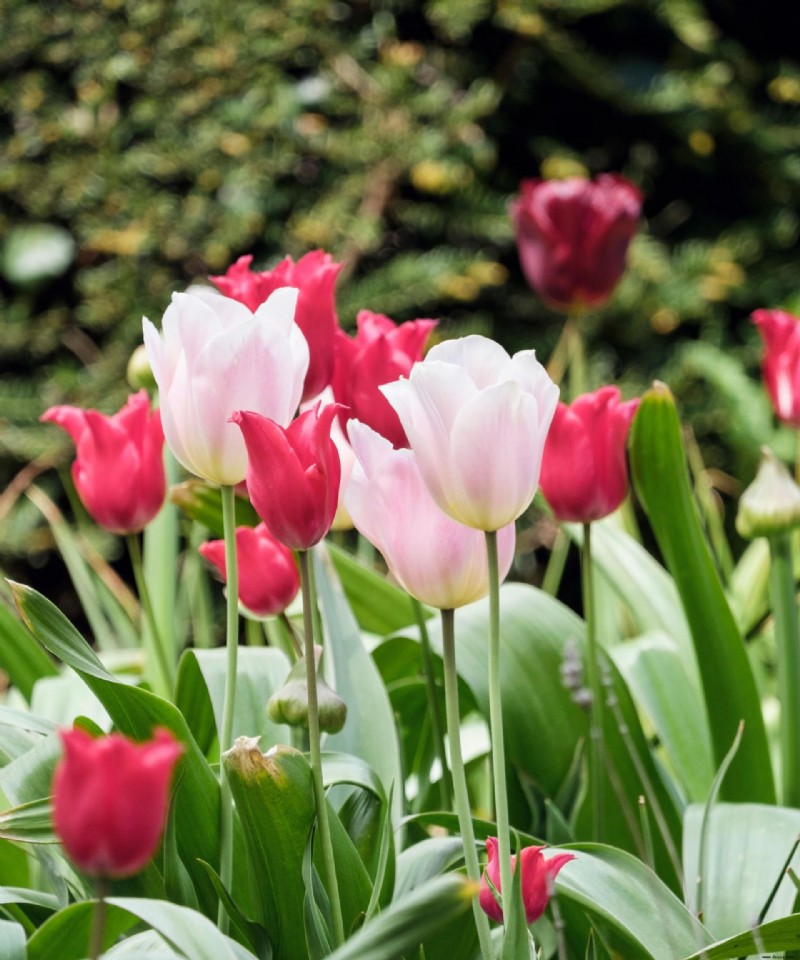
(139,372)
(289,704)
(771,504)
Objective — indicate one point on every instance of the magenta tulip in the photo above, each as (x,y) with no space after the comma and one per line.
(314,275)
(584,471)
(436,559)
(293,474)
(573,237)
(781,365)
(268,576)
(381,351)
(110,799)
(476,420)
(119,470)
(538,876)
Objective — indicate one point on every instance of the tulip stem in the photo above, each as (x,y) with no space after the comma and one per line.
(329,864)
(98,921)
(496,716)
(595,686)
(437,729)
(166,666)
(577,358)
(462,804)
(226,734)
(788,648)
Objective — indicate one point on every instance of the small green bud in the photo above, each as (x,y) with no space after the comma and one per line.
(139,372)
(771,504)
(289,704)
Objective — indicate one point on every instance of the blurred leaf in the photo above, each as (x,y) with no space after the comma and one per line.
(783,934)
(20,657)
(40,251)
(30,823)
(12,941)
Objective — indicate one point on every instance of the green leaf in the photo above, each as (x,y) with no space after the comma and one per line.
(408,921)
(778,935)
(369,731)
(30,823)
(658,464)
(23,660)
(745,840)
(12,941)
(136,713)
(379,606)
(662,688)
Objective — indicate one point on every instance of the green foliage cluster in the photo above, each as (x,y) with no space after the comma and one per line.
(149,143)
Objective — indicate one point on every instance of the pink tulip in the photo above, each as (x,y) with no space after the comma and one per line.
(433,557)
(573,236)
(314,275)
(781,365)
(215,356)
(342,520)
(538,876)
(110,799)
(119,470)
(293,474)
(268,577)
(381,351)
(584,472)
(476,420)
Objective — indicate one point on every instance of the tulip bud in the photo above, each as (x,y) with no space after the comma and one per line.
(290,704)
(110,799)
(140,373)
(781,364)
(771,504)
(537,877)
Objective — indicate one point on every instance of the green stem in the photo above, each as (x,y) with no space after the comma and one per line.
(595,686)
(555,565)
(460,791)
(787,641)
(433,702)
(98,921)
(577,357)
(166,665)
(329,864)
(496,716)
(226,734)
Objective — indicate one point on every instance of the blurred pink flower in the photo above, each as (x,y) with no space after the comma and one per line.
(537,876)
(781,365)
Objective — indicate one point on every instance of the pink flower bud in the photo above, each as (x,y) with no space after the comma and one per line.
(584,472)
(381,351)
(268,577)
(293,474)
(119,470)
(538,875)
(573,236)
(110,799)
(314,275)
(781,364)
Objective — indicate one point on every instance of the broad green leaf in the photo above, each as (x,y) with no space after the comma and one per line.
(379,606)
(778,935)
(369,731)
(663,689)
(660,475)
(65,935)
(136,713)
(12,941)
(25,720)
(30,776)
(747,841)
(61,699)
(33,897)
(20,657)
(30,823)
(408,921)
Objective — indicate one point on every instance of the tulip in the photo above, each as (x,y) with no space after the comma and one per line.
(341,520)
(293,474)
(434,558)
(584,473)
(216,356)
(476,420)
(268,577)
(119,470)
(314,275)
(538,875)
(781,365)
(110,799)
(573,237)
(381,352)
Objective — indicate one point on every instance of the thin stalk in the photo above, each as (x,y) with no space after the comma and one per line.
(253,634)
(496,715)
(555,565)
(577,357)
(166,664)
(226,734)
(787,640)
(329,864)
(98,921)
(437,728)
(460,778)
(595,686)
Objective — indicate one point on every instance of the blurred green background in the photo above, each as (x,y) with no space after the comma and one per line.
(148,143)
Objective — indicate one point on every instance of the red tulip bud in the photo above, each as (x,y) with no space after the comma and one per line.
(537,876)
